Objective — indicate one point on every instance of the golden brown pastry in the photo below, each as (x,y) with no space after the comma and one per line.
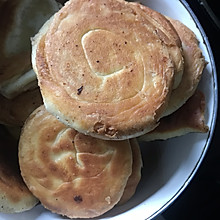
(135,176)
(105,68)
(15,111)
(193,67)
(19,21)
(70,173)
(14,195)
(189,118)
(167,33)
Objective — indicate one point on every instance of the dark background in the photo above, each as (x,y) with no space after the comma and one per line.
(201,198)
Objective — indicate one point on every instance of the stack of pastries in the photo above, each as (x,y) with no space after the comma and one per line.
(111,74)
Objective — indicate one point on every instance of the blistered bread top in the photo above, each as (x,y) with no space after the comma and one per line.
(72,174)
(14,195)
(103,68)
(194,64)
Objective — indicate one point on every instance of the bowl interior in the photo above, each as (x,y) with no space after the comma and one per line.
(168,165)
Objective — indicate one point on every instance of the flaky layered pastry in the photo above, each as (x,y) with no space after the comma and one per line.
(105,68)
(14,195)
(187,119)
(167,33)
(15,111)
(72,174)
(19,21)
(135,176)
(194,64)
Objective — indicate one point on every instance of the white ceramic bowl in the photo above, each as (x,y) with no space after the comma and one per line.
(168,165)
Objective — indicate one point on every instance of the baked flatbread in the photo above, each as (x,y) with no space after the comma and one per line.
(70,173)
(189,118)
(193,67)
(167,33)
(135,176)
(14,195)
(105,68)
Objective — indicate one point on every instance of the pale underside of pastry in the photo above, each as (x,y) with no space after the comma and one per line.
(187,119)
(193,67)
(19,21)
(106,69)
(14,195)
(70,173)
(14,112)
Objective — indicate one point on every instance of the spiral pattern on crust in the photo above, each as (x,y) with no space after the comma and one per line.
(105,69)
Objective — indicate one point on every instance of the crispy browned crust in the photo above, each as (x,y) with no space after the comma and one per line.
(14,195)
(135,176)
(189,118)
(167,33)
(104,70)
(72,174)
(15,111)
(193,67)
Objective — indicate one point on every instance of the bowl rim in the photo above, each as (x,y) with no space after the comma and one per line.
(214,113)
